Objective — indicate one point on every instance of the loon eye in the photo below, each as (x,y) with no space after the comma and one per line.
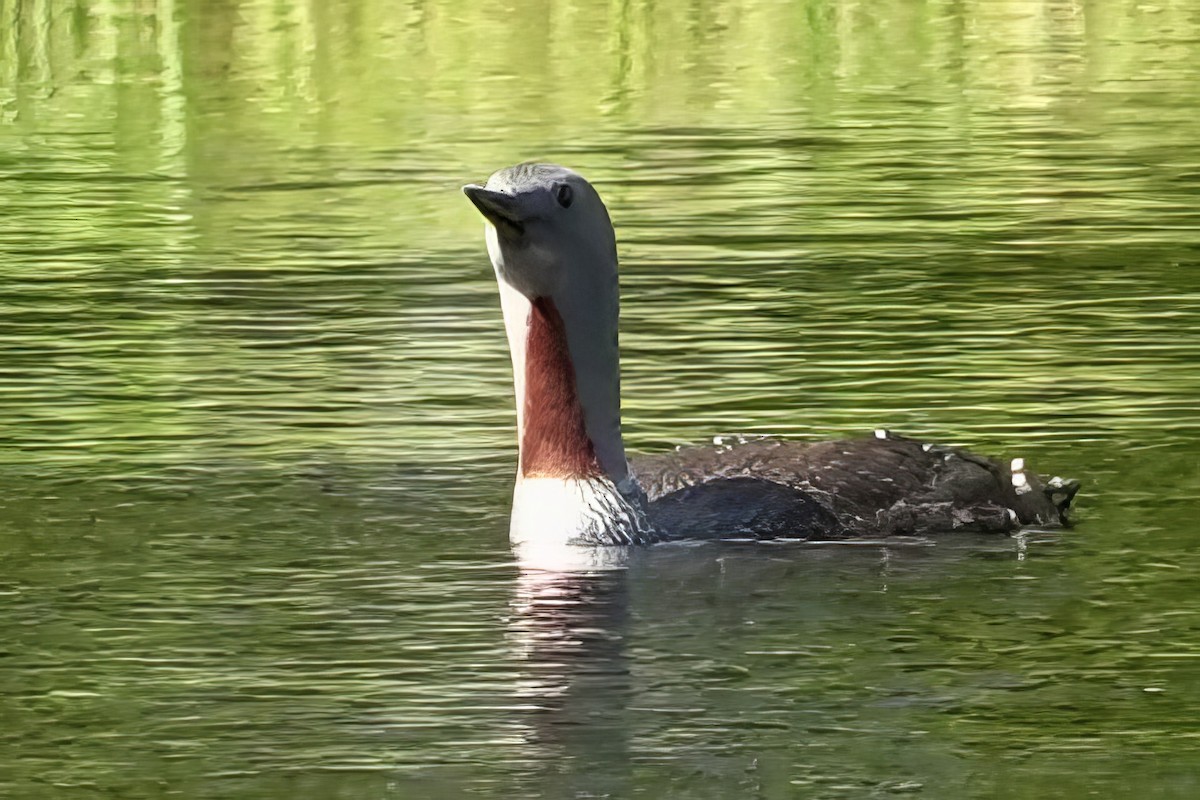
(564,196)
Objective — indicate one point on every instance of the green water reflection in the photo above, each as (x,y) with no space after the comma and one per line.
(256,425)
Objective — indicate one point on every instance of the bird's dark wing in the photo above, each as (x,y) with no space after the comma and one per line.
(875,486)
(739,508)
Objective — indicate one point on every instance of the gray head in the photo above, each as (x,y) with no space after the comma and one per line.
(550,238)
(548,225)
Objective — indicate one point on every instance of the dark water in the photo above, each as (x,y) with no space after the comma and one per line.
(256,435)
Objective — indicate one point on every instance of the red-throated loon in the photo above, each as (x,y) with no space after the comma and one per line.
(555,257)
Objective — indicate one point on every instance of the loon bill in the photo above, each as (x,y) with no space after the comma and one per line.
(554,252)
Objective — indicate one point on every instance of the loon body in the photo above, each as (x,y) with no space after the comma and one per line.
(553,249)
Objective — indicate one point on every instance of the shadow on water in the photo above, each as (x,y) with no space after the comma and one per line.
(873,668)
(570,633)
(719,662)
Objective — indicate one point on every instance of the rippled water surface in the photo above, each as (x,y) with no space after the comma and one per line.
(256,434)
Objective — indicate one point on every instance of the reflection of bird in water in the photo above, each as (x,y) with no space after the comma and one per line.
(554,252)
(569,630)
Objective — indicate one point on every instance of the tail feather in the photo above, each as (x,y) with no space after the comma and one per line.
(1061,492)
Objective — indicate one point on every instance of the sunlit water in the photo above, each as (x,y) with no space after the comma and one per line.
(256,440)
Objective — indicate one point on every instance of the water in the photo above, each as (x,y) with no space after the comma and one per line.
(256,439)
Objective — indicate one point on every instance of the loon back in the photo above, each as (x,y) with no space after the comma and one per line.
(888,485)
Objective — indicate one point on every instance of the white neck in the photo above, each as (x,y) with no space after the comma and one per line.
(591,331)
(563,499)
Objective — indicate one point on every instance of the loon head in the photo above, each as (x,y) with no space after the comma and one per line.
(554,252)
(550,234)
